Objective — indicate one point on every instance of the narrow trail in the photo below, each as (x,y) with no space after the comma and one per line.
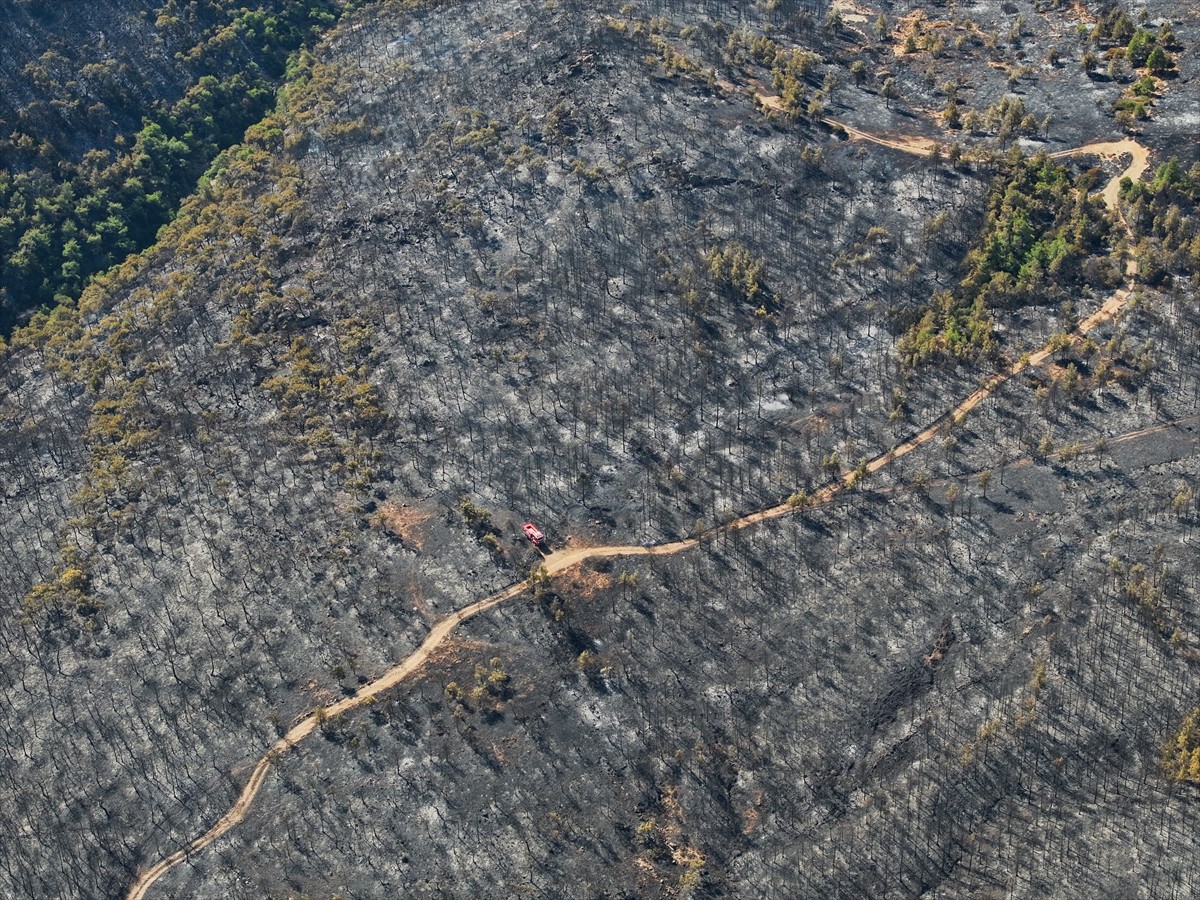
(558,562)
(912,145)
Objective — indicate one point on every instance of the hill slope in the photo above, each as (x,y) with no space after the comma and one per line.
(494,261)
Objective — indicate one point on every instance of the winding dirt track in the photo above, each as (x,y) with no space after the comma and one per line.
(1139,163)
(558,562)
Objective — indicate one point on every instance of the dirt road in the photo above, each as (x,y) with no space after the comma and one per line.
(1139,157)
(915,146)
(560,561)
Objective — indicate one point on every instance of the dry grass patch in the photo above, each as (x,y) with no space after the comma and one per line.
(404,521)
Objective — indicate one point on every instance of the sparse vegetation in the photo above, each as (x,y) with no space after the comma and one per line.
(1041,228)
(1181,758)
(1162,214)
(736,271)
